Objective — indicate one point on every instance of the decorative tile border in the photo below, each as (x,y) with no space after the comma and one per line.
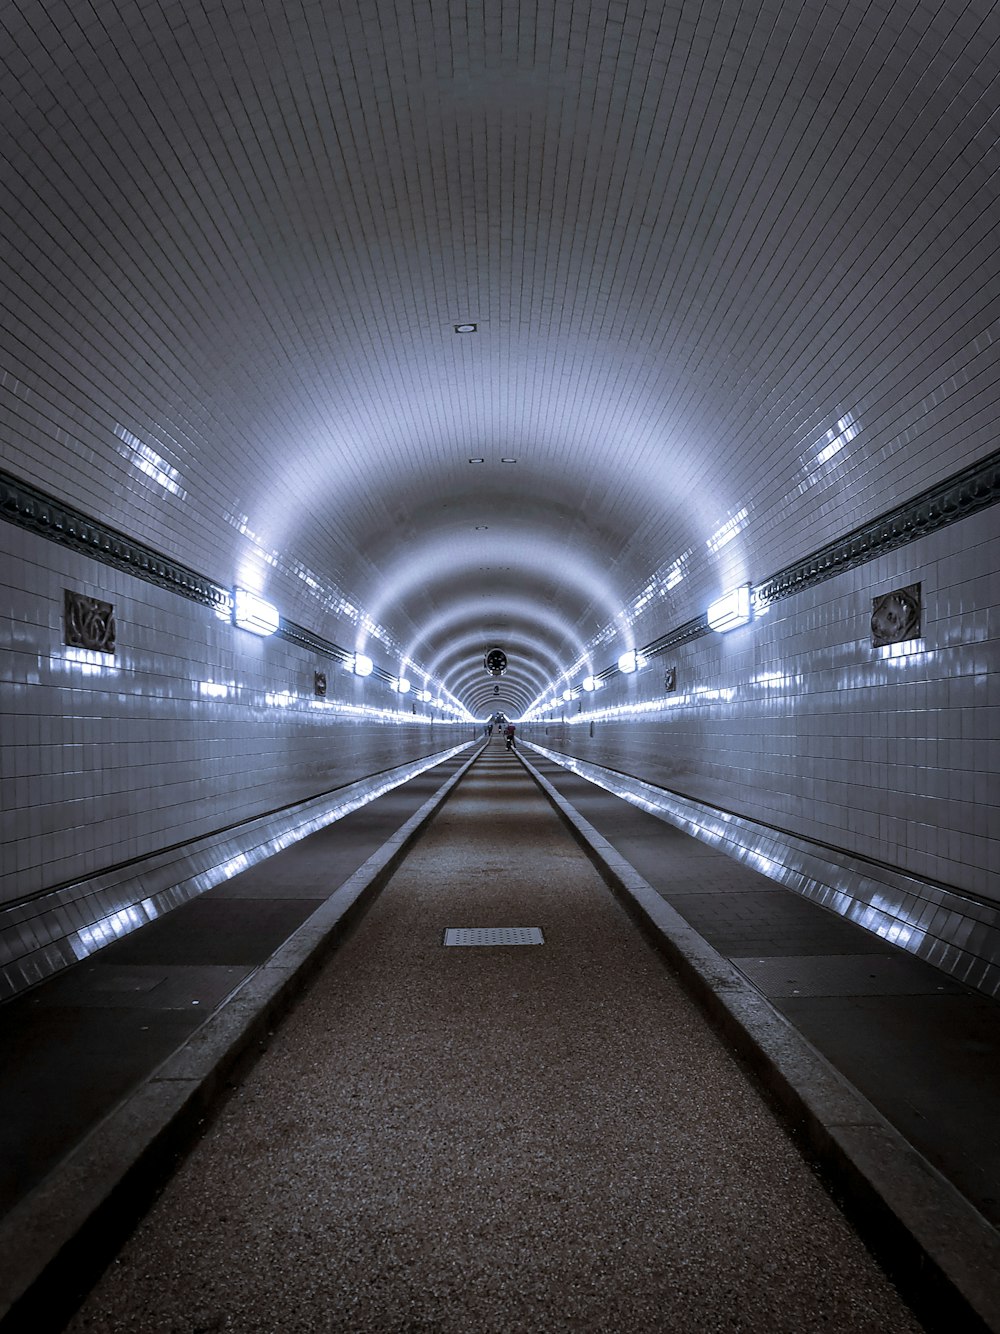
(965,493)
(957,497)
(683,634)
(298,634)
(39,513)
(29,508)
(958,934)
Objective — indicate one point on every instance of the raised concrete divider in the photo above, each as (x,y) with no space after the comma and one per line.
(55,1242)
(939,1250)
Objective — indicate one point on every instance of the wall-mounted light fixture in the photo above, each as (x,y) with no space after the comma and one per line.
(361,665)
(590,683)
(731,610)
(424,696)
(632,661)
(251,612)
(402,685)
(567,695)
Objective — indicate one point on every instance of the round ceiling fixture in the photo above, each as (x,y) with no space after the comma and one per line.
(496,662)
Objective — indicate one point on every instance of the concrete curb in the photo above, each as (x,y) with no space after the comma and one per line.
(939,1250)
(56,1241)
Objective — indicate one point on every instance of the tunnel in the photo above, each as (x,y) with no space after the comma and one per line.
(380,376)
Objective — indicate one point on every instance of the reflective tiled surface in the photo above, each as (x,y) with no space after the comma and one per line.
(956,934)
(919,1044)
(188,728)
(48,932)
(736,289)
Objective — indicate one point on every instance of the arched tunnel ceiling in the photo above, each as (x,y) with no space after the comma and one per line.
(730,266)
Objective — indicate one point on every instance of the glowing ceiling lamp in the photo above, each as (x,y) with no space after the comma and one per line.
(253,613)
(362,665)
(731,610)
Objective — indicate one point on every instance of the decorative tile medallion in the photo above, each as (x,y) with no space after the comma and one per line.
(896,616)
(88,623)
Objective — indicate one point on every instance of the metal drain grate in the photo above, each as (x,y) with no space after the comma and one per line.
(494,935)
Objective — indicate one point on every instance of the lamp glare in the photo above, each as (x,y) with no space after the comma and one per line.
(632,661)
(251,612)
(731,610)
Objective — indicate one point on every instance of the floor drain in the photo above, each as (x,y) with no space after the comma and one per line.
(494,935)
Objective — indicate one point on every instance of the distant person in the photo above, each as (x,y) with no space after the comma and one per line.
(509,735)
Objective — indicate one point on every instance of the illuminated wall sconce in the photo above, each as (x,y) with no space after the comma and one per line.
(567,695)
(731,610)
(253,613)
(632,661)
(424,696)
(402,685)
(590,683)
(362,665)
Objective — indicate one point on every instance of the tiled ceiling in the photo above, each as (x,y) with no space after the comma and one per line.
(732,265)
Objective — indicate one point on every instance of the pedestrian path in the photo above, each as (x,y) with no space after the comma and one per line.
(537,1136)
(496,1137)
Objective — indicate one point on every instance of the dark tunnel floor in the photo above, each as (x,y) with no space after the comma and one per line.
(921,1047)
(499,1139)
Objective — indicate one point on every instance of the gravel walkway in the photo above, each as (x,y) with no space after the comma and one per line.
(516,1138)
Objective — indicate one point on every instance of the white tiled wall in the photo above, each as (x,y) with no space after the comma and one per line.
(797,721)
(191,726)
